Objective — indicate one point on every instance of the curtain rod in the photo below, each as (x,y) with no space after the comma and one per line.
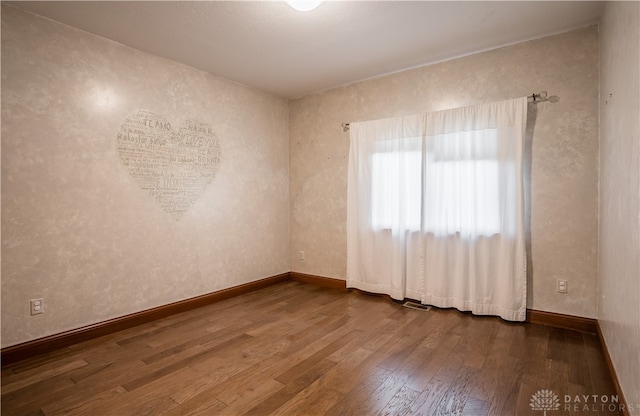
(541,96)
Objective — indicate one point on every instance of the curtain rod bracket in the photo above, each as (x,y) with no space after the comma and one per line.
(541,96)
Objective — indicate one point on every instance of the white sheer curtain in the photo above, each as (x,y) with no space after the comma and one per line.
(436,208)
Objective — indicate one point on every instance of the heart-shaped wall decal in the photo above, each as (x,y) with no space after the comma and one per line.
(175,167)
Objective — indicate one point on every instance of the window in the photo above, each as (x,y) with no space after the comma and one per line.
(460,192)
(462,196)
(396,182)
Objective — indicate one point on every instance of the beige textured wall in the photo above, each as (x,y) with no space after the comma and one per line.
(564,155)
(619,282)
(77,229)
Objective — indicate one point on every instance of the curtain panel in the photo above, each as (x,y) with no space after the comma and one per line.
(435,208)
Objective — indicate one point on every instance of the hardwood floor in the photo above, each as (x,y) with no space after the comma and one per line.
(298,349)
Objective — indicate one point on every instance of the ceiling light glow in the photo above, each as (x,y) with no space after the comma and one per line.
(304,5)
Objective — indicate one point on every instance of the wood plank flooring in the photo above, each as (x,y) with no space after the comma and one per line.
(298,349)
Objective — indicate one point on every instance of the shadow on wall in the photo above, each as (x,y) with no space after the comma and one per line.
(532,114)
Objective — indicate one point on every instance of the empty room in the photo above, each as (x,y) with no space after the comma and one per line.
(320,208)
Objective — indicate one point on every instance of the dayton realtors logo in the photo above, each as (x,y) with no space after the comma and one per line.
(546,400)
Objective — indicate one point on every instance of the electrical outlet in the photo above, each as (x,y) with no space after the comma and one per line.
(37,306)
(562,286)
(301,255)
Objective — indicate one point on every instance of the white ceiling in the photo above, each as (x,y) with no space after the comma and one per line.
(270,46)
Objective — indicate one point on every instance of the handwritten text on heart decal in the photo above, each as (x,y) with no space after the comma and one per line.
(175,167)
